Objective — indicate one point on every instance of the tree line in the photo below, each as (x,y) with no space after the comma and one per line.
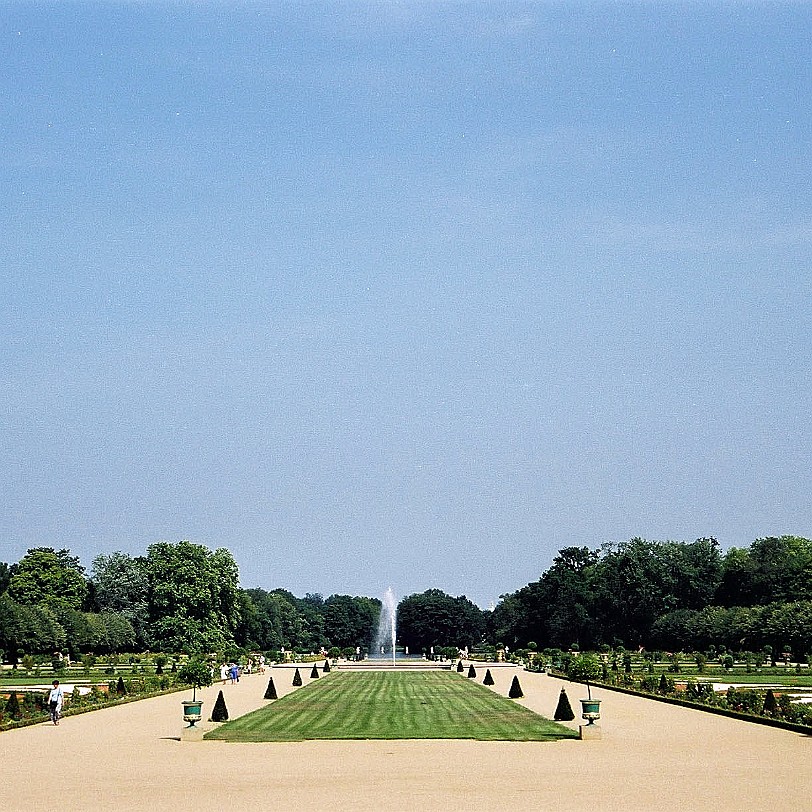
(182,597)
(178,597)
(667,595)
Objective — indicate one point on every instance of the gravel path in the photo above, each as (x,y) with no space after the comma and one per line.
(651,756)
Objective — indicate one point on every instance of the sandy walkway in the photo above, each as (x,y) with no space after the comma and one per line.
(651,756)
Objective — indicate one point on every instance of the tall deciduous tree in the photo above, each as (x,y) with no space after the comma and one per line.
(121,584)
(193,602)
(776,568)
(49,577)
(350,621)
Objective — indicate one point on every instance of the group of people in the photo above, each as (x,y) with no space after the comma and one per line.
(230,671)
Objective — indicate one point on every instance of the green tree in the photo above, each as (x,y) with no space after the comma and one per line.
(350,621)
(434,618)
(642,580)
(33,629)
(121,584)
(773,569)
(193,604)
(5,576)
(44,576)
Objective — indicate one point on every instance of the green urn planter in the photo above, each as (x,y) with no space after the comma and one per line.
(192,711)
(591,710)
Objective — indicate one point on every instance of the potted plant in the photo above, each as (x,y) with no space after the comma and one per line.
(585,669)
(196,673)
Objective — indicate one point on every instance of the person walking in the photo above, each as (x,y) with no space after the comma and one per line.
(55,699)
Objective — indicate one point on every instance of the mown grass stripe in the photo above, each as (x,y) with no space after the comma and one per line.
(392,705)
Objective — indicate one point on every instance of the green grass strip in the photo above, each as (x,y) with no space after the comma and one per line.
(392,705)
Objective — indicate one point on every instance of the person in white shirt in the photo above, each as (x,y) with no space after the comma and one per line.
(55,699)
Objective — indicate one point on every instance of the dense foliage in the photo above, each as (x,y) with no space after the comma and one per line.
(672,595)
(434,619)
(183,597)
(178,597)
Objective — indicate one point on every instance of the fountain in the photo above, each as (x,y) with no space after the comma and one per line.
(385,638)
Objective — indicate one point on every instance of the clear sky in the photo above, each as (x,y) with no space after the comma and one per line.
(405,294)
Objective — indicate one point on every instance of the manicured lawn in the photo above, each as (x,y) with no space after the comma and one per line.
(790,678)
(392,705)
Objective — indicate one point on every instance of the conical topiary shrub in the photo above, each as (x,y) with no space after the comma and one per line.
(515,691)
(270,691)
(460,669)
(13,706)
(488,678)
(219,713)
(563,710)
(121,688)
(314,672)
(471,671)
(770,703)
(326,668)
(297,678)
(663,686)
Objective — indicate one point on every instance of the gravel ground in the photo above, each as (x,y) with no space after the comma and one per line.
(651,755)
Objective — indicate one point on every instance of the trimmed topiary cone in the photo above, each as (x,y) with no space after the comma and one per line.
(297,678)
(13,706)
(488,678)
(471,671)
(563,711)
(515,691)
(460,669)
(219,713)
(314,672)
(326,668)
(770,703)
(270,691)
(121,688)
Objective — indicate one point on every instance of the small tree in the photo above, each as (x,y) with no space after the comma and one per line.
(471,671)
(585,668)
(270,691)
(314,672)
(196,673)
(488,678)
(297,678)
(563,710)
(460,667)
(326,668)
(515,691)
(121,688)
(219,712)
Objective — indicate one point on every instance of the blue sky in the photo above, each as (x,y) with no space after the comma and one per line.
(403,294)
